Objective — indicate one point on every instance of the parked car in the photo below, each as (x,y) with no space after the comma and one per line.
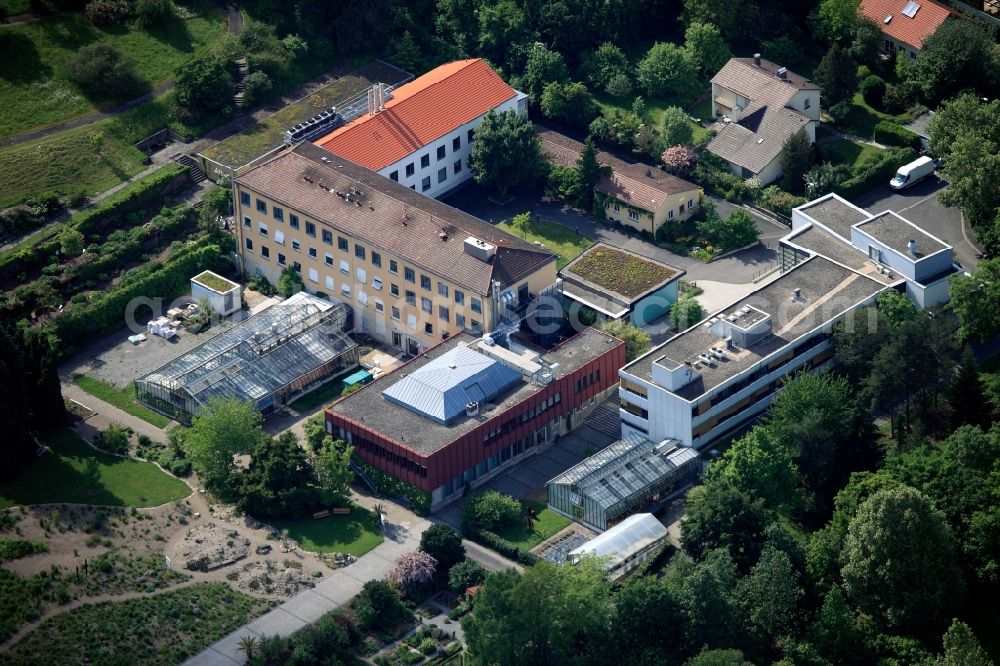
(911,173)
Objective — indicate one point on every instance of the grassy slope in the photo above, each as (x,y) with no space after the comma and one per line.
(559,239)
(547,523)
(356,533)
(151,630)
(34,86)
(74,472)
(862,119)
(123,399)
(842,151)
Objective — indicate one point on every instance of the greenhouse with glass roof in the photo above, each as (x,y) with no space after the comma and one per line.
(622,479)
(626,545)
(269,359)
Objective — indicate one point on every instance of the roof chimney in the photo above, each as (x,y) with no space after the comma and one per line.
(783,73)
(912,247)
(756,59)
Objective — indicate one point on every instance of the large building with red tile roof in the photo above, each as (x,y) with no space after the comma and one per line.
(421,136)
(905,24)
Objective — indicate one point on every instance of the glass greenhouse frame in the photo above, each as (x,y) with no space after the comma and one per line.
(268,359)
(622,479)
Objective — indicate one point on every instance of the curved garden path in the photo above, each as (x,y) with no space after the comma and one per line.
(234,24)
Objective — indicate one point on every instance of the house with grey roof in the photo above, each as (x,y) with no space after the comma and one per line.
(760,105)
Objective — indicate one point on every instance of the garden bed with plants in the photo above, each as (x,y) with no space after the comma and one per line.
(620,272)
(162,629)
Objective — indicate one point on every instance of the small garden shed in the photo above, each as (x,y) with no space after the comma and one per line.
(223,295)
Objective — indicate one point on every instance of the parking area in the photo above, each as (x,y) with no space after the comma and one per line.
(921,204)
(117,361)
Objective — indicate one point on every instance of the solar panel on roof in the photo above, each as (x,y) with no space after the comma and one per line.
(911,9)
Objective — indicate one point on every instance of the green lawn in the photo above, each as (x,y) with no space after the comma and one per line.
(655,107)
(547,523)
(842,151)
(323,395)
(151,630)
(35,89)
(356,533)
(562,240)
(122,398)
(74,472)
(862,119)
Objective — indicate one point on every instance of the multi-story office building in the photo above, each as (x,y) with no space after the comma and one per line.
(422,136)
(716,376)
(414,270)
(467,408)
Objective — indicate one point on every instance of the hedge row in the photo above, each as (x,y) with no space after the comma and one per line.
(420,501)
(891,134)
(875,169)
(494,541)
(81,323)
(148,191)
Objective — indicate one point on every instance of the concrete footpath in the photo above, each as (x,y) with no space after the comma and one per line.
(331,593)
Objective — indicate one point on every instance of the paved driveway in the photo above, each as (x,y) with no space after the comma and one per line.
(921,205)
(740,268)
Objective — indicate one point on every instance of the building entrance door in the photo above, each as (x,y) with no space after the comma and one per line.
(397,339)
(412,347)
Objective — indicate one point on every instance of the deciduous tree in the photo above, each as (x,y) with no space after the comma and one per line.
(636,340)
(443,544)
(893,541)
(705,49)
(837,75)
(686,312)
(506,152)
(222,429)
(279,481)
(976,300)
(334,475)
(542,67)
(569,103)
(675,128)
(203,86)
(797,157)
(664,71)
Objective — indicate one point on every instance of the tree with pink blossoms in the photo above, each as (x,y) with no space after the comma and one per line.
(679,159)
(412,571)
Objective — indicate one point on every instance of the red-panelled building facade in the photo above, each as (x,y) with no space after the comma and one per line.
(445,458)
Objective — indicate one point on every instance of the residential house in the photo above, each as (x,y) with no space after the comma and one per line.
(413,269)
(634,194)
(760,105)
(468,408)
(422,136)
(905,24)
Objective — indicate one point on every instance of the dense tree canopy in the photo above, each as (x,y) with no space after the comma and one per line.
(665,71)
(636,340)
(222,429)
(204,85)
(506,152)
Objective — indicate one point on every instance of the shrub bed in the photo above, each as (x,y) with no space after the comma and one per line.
(138,196)
(875,168)
(496,542)
(891,134)
(82,323)
(420,501)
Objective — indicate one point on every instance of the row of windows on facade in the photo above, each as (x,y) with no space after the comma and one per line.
(381,452)
(360,252)
(425,162)
(588,379)
(633,215)
(510,424)
(505,454)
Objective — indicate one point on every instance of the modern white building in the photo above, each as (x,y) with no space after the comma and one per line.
(224,296)
(421,136)
(760,105)
(716,376)
(883,244)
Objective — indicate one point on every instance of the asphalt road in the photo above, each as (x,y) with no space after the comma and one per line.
(922,206)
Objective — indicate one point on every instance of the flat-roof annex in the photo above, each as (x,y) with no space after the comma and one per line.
(826,289)
(368,407)
(835,213)
(896,232)
(622,262)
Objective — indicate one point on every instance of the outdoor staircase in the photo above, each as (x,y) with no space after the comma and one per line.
(197,175)
(241,65)
(605,420)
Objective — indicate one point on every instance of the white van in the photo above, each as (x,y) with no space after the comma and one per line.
(912,173)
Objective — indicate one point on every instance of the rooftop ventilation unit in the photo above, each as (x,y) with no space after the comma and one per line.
(796,294)
(912,247)
(472,408)
(479,248)
(783,73)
